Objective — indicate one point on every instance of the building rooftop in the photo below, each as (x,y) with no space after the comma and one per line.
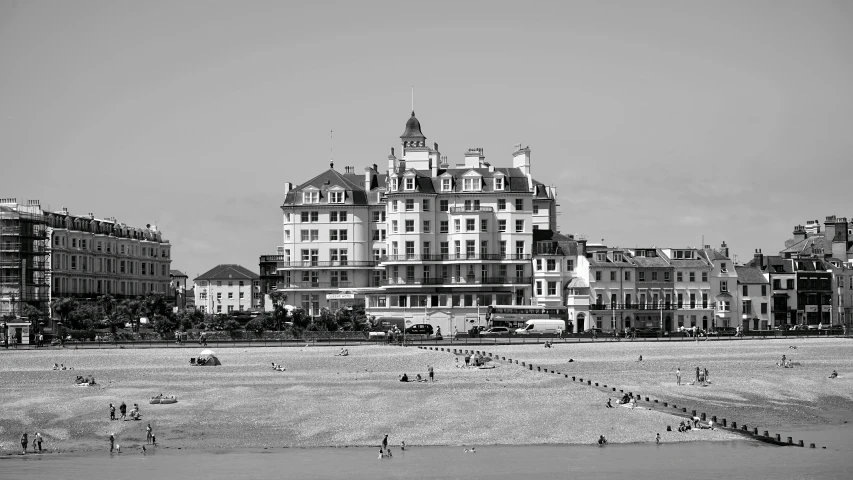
(750,275)
(228,272)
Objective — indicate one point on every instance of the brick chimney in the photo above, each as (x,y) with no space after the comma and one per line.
(758,258)
(724,250)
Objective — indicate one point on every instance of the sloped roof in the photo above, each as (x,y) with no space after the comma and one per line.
(711,254)
(564,245)
(650,262)
(516,181)
(228,271)
(626,261)
(750,275)
(328,179)
(177,273)
(578,282)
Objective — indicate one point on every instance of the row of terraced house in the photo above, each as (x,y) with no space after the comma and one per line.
(471,243)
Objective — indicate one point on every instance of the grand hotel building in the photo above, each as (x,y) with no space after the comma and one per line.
(423,240)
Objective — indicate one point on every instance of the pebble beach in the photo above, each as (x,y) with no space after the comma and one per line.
(326,400)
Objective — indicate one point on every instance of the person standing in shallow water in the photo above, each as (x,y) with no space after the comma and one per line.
(385,443)
(148,435)
(112,442)
(678,375)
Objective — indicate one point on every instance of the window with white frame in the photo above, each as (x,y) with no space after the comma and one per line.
(552,288)
(426,228)
(446,184)
(499,183)
(724,286)
(410,183)
(502,225)
(311,197)
(471,184)
(410,205)
(336,197)
(395,184)
(539,288)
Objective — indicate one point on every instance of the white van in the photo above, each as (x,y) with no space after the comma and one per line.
(544,325)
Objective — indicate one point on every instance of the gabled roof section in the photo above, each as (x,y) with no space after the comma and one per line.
(177,273)
(750,275)
(558,244)
(326,181)
(710,254)
(228,271)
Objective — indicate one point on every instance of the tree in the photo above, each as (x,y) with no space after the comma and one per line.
(257,325)
(109,306)
(131,310)
(155,304)
(63,307)
(86,317)
(299,318)
(327,320)
(279,299)
(162,324)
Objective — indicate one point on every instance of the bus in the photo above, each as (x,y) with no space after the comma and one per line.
(514,316)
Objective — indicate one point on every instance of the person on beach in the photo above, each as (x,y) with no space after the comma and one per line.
(404,378)
(112,412)
(381,454)
(705,377)
(56,366)
(697,375)
(457,362)
(640,359)
(609,405)
(678,376)
(431,374)
(403,445)
(384,443)
(112,442)
(123,410)
(601,440)
(467,359)
(148,434)
(657,438)
(834,374)
(154,440)
(24,442)
(419,379)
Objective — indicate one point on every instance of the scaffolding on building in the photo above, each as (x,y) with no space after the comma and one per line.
(24,254)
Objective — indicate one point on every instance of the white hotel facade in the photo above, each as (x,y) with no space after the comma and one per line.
(424,241)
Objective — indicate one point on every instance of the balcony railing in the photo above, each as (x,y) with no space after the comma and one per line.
(271,258)
(324,263)
(441,257)
(340,284)
(471,209)
(651,306)
(458,281)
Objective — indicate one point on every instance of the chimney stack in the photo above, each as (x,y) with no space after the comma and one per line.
(724,250)
(758,258)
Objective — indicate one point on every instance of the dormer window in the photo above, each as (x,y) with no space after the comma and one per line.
(311,197)
(617,257)
(471,184)
(336,197)
(410,183)
(446,184)
(600,257)
(499,183)
(395,184)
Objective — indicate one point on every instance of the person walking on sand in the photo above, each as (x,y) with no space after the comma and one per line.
(148,435)
(37,440)
(385,443)
(697,375)
(24,442)
(705,375)
(431,374)
(678,376)
(112,412)
(123,410)
(657,439)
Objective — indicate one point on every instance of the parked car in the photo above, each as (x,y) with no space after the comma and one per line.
(497,331)
(834,329)
(420,329)
(590,331)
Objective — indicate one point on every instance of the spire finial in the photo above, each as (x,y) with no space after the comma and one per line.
(413,100)
(331,149)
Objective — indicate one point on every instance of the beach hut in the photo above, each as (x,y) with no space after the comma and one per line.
(207,357)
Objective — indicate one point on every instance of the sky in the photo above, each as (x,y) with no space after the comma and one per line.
(659,123)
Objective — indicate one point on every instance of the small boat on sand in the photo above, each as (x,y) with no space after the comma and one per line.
(163,400)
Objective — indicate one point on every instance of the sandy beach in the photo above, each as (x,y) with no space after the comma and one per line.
(325,400)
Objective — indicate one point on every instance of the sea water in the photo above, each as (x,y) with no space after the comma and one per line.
(693,460)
